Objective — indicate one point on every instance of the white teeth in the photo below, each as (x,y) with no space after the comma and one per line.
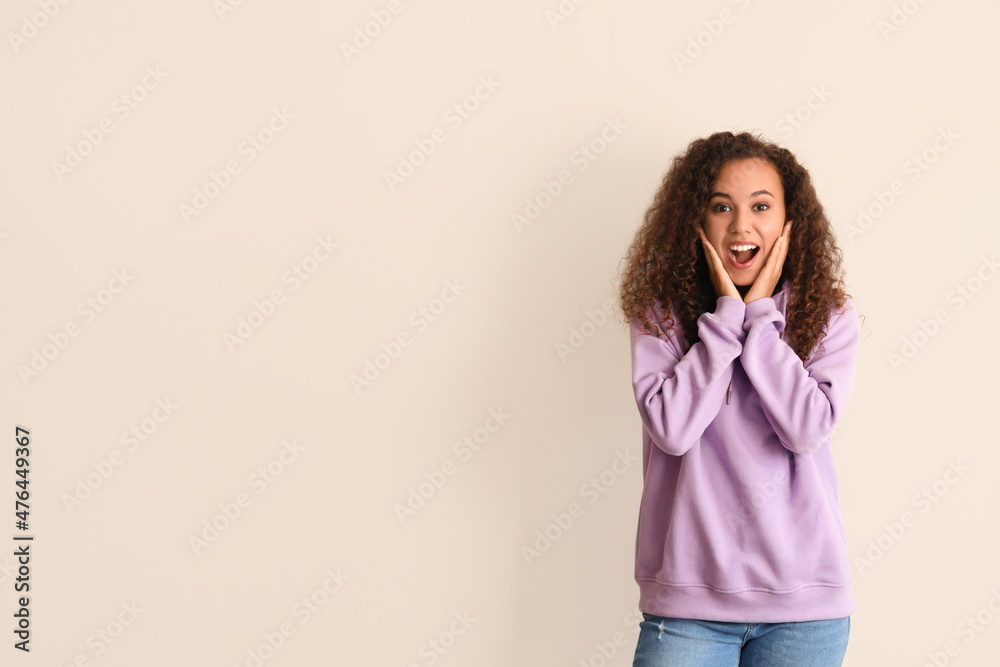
(737,248)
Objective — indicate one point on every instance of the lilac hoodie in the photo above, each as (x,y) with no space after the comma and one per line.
(740,515)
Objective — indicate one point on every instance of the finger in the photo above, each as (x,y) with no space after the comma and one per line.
(779,255)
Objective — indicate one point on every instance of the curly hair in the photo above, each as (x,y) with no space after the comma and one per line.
(666,260)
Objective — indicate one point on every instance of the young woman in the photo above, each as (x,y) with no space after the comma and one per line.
(744,347)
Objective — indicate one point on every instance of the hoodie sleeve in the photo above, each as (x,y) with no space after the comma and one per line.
(679,394)
(802,401)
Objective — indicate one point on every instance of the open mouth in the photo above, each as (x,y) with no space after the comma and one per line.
(743,255)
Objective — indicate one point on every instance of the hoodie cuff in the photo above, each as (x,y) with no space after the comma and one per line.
(761,310)
(731,310)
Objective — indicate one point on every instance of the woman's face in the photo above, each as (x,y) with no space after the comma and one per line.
(746,207)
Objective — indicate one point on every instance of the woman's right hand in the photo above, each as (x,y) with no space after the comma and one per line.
(723,284)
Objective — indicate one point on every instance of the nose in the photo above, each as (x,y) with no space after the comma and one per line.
(740,222)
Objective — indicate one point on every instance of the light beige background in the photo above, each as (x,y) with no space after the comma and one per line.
(866,101)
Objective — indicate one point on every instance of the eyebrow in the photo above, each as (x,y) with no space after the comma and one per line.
(752,194)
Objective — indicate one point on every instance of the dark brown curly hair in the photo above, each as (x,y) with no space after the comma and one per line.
(666,260)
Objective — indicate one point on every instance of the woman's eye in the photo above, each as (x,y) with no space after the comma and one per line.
(718,207)
(764,204)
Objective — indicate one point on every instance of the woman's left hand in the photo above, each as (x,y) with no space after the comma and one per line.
(767,279)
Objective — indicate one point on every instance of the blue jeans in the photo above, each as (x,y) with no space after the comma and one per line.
(677,642)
